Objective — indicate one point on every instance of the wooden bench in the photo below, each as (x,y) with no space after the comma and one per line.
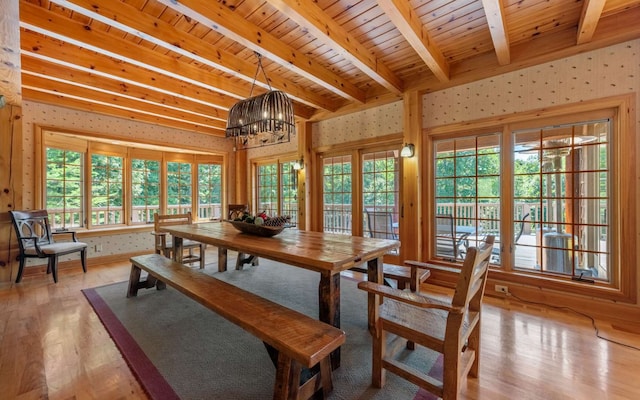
(299,340)
(401,274)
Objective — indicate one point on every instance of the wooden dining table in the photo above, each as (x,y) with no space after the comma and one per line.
(326,253)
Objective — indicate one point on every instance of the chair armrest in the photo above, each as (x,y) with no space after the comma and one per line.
(72,233)
(423,265)
(415,299)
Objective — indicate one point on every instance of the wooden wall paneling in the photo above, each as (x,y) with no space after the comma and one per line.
(10,185)
(10,133)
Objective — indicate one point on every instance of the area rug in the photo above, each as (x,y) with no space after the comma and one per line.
(179,349)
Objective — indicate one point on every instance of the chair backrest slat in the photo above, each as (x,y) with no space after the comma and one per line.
(160,221)
(32,224)
(473,275)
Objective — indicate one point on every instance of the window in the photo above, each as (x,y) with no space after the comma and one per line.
(107,194)
(145,190)
(277,188)
(179,189)
(550,186)
(64,182)
(209,191)
(337,194)
(268,189)
(380,193)
(467,193)
(562,181)
(289,191)
(125,185)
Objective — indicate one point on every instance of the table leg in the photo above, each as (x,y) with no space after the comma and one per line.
(374,274)
(222,259)
(329,301)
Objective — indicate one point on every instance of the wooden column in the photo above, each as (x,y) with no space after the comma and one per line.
(241,185)
(305,199)
(410,215)
(10,134)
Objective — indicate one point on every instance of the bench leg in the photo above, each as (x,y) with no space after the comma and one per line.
(296,382)
(287,379)
(135,284)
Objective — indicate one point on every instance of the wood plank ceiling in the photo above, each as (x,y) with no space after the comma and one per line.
(185,63)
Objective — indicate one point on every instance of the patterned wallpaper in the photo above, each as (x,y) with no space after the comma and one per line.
(600,73)
(60,117)
(379,121)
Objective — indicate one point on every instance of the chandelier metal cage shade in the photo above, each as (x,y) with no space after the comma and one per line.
(261,120)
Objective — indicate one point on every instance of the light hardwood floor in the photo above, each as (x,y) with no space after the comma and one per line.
(53,346)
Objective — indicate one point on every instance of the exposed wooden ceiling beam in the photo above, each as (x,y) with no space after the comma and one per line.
(135,22)
(41,67)
(407,22)
(93,95)
(85,60)
(591,13)
(62,28)
(87,105)
(313,19)
(494,12)
(613,29)
(218,17)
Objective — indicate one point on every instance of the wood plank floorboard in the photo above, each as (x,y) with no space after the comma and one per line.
(53,346)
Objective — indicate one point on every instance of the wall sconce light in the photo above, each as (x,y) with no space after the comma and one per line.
(407,150)
(298,164)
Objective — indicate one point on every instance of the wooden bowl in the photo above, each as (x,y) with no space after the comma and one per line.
(258,230)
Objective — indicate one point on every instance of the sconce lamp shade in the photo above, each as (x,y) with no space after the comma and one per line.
(407,151)
(298,164)
(261,120)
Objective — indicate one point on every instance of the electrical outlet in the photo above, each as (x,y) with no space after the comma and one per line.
(98,248)
(502,289)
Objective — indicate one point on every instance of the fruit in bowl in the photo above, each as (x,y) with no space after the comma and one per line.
(263,219)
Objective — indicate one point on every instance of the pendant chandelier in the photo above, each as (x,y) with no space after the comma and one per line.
(261,120)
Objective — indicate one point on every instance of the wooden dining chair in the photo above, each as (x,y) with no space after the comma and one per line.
(236,211)
(36,240)
(164,241)
(450,327)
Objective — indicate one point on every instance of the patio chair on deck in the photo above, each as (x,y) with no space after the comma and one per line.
(36,240)
(495,253)
(380,226)
(448,242)
(236,211)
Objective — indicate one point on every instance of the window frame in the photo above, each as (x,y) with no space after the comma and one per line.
(356,150)
(278,162)
(67,140)
(623,279)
